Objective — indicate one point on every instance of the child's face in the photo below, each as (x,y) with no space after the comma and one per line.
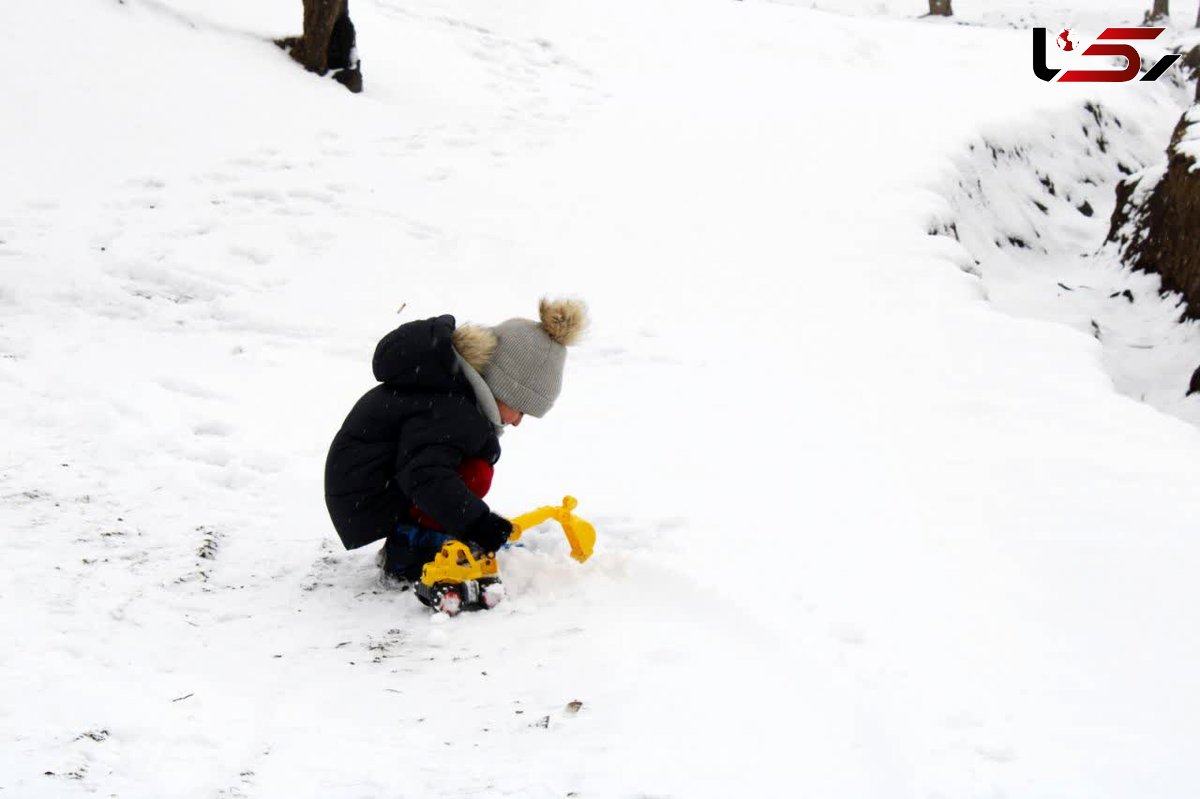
(509,414)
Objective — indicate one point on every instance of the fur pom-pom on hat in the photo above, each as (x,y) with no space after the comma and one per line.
(563,320)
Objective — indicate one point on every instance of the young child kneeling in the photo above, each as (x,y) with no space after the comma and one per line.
(415,456)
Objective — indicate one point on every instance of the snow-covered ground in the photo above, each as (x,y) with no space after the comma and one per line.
(880,513)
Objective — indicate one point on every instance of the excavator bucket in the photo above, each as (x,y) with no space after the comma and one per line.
(580,533)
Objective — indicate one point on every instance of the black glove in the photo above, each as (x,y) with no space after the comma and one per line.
(489,532)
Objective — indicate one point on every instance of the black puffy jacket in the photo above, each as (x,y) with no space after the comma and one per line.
(403,440)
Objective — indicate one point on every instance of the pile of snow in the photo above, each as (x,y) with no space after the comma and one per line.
(860,535)
(1030,203)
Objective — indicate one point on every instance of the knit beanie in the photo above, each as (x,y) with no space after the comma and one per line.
(525,370)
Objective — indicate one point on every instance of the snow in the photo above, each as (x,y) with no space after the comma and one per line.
(1189,142)
(879,512)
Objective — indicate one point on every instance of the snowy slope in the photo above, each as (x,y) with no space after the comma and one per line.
(860,534)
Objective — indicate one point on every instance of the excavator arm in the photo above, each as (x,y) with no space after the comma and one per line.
(580,533)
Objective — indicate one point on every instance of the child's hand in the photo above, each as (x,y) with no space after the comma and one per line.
(491,532)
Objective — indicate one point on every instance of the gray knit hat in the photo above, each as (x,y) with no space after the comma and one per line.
(525,370)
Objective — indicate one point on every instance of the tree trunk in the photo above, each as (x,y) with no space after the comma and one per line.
(1198,18)
(328,42)
(1160,11)
(940,8)
(1191,62)
(311,50)
(1158,228)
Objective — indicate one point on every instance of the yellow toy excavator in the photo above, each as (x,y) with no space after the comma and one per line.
(461,577)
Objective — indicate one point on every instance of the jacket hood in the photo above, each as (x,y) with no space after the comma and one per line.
(420,354)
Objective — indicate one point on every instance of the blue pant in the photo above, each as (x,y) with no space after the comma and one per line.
(409,548)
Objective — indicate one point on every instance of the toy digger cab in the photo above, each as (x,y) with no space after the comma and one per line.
(461,577)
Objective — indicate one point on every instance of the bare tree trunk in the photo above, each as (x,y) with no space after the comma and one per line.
(1160,233)
(1198,18)
(940,8)
(1191,62)
(1160,11)
(312,49)
(328,42)
(1158,230)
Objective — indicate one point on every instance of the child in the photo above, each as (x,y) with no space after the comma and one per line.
(414,458)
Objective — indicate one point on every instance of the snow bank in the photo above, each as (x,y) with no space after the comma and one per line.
(1031,202)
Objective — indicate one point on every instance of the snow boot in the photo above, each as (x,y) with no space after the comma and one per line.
(407,550)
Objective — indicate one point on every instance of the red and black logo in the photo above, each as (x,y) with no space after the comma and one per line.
(1107,43)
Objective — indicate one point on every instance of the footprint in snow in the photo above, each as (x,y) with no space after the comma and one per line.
(996,753)
(254,255)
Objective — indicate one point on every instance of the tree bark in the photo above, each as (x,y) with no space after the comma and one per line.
(940,8)
(1160,10)
(1157,228)
(1191,62)
(328,42)
(312,51)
